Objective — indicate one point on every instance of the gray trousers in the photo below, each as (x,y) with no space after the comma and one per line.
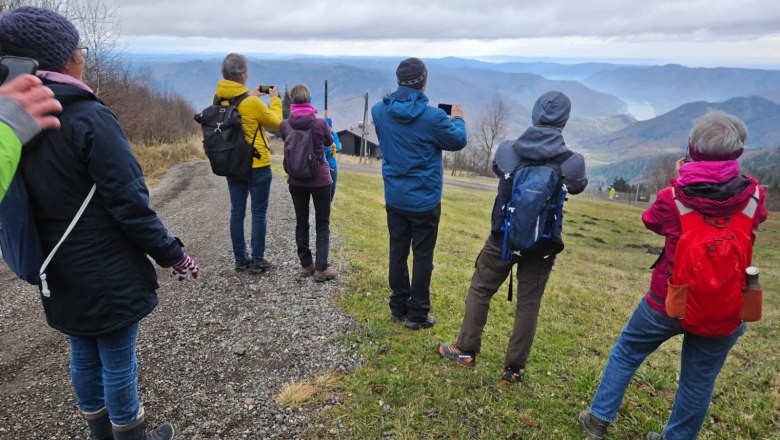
(489,274)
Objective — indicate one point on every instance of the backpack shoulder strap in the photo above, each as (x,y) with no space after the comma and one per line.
(44,286)
(752,204)
(235,100)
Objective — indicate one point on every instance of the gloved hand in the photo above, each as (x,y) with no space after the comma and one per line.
(186,264)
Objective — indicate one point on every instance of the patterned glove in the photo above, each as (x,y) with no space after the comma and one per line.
(186,264)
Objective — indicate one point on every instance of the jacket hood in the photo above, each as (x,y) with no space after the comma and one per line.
(302,122)
(724,195)
(537,144)
(406,104)
(551,109)
(230,89)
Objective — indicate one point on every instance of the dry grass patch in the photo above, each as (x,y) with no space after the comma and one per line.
(156,160)
(296,394)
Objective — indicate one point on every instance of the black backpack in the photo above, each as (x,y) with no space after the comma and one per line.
(223,138)
(300,162)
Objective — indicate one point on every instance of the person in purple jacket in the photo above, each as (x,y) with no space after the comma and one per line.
(303,119)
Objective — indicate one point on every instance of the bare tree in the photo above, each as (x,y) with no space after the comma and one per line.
(56,5)
(661,171)
(98,25)
(491,126)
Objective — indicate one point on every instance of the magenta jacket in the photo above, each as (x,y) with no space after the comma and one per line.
(303,117)
(713,188)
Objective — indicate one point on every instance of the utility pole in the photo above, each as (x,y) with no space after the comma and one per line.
(363,140)
(326,99)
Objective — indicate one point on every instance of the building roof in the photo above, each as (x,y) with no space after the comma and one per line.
(357,131)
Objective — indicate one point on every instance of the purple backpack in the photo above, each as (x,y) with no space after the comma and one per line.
(300,162)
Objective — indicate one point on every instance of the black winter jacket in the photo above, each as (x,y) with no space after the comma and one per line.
(100,279)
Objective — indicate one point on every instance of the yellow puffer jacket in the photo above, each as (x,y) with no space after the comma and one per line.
(254,112)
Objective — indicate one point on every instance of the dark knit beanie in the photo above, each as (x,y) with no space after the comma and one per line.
(38,33)
(411,73)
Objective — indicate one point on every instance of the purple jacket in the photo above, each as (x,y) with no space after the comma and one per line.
(712,188)
(322,137)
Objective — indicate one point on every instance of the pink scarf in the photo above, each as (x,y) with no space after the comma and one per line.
(302,109)
(62,79)
(708,172)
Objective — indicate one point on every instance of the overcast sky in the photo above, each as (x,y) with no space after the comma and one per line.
(692,32)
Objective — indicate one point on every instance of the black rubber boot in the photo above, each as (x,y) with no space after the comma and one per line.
(137,431)
(99,425)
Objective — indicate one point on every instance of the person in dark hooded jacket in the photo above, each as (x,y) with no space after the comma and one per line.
(711,184)
(412,136)
(543,142)
(100,281)
(318,189)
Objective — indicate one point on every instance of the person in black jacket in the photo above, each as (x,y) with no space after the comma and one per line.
(100,281)
(540,143)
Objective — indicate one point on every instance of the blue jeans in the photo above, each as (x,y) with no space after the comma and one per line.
(701,361)
(334,174)
(104,372)
(257,185)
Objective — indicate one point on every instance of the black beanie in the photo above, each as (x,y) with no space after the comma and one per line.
(412,73)
(38,33)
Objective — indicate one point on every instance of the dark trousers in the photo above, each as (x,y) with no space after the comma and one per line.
(418,230)
(490,272)
(321,197)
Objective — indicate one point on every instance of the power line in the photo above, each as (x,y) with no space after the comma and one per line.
(347,99)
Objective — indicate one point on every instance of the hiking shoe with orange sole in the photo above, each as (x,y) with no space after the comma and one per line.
(511,376)
(452,353)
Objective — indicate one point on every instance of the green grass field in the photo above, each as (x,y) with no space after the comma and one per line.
(594,287)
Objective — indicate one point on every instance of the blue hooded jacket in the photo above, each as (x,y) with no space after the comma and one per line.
(412,135)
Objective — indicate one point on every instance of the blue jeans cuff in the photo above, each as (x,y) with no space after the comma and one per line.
(600,417)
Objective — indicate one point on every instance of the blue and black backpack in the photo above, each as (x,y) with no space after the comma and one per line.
(534,214)
(19,239)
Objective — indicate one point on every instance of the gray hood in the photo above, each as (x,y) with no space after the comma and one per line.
(537,144)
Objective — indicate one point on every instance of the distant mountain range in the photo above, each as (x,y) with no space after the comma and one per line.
(669,132)
(603,95)
(666,87)
(348,79)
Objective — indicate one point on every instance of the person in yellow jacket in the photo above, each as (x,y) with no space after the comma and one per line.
(256,117)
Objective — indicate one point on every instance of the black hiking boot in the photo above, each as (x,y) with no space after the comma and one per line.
(594,428)
(243,266)
(428,322)
(398,318)
(654,436)
(453,353)
(137,431)
(511,376)
(258,266)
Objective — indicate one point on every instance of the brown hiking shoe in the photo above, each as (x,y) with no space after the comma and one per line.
(306,271)
(324,275)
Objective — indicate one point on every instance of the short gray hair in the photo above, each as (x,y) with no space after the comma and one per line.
(300,94)
(234,66)
(718,133)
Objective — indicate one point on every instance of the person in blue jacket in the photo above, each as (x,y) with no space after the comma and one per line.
(101,283)
(331,153)
(412,136)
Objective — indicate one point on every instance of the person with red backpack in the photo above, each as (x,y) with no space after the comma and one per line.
(708,216)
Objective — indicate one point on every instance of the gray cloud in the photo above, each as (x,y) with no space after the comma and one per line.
(452,19)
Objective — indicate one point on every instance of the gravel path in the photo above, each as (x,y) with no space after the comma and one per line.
(214,352)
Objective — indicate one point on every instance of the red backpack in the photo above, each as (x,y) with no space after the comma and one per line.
(708,279)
